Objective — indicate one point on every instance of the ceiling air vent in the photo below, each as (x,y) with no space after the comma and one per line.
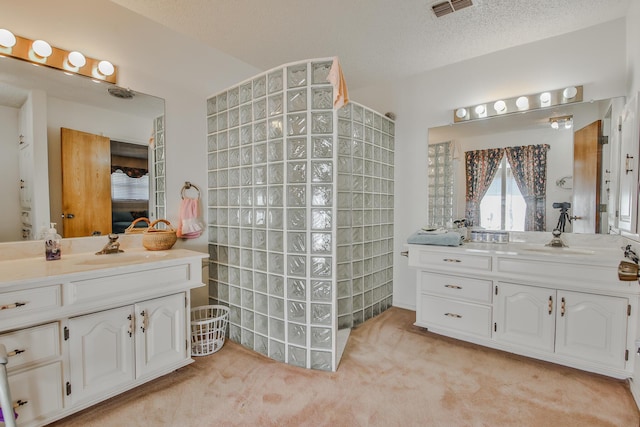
(447,7)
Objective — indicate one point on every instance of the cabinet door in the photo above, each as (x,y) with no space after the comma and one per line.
(160,333)
(628,181)
(592,327)
(524,316)
(101,352)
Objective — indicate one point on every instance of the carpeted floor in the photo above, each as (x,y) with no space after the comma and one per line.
(391,374)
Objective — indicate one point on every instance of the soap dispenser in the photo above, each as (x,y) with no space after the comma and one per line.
(52,243)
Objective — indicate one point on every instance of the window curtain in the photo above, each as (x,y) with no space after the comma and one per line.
(529,168)
(480,167)
(130,172)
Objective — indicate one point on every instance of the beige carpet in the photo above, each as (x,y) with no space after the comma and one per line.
(391,374)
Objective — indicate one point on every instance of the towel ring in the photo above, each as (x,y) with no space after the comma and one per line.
(187,185)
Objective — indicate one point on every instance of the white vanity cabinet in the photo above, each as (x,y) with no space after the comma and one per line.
(93,327)
(111,348)
(569,310)
(583,326)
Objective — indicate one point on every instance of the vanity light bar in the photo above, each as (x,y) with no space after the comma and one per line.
(517,104)
(39,52)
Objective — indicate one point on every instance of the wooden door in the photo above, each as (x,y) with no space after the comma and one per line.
(86,183)
(587,175)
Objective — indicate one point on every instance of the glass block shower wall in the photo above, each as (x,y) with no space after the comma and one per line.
(300,213)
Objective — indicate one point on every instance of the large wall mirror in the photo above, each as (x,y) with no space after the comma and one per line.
(63,135)
(581,168)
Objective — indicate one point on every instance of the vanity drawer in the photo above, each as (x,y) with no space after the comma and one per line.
(473,319)
(38,391)
(118,285)
(29,301)
(558,271)
(32,345)
(448,260)
(460,287)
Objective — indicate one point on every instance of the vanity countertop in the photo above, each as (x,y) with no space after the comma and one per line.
(31,269)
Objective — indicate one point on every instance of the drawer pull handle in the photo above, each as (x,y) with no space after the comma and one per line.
(457,316)
(451,260)
(15,352)
(453,286)
(404,253)
(14,305)
(20,403)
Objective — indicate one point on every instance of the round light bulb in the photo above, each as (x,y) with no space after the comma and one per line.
(500,106)
(522,103)
(568,123)
(545,97)
(461,113)
(106,68)
(77,59)
(554,124)
(7,39)
(42,48)
(570,92)
(480,110)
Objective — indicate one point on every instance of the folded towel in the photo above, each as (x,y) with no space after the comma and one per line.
(441,239)
(336,78)
(189,226)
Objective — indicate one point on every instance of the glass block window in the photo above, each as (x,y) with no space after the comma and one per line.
(440,184)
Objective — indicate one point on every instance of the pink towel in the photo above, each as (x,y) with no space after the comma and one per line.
(189,226)
(336,78)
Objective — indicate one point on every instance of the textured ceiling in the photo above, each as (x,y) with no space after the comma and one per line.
(377,40)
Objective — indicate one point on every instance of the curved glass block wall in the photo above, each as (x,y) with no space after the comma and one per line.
(300,213)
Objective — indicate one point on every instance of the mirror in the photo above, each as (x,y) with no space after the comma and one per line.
(35,103)
(447,192)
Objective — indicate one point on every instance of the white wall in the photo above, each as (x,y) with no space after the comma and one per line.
(10,224)
(594,58)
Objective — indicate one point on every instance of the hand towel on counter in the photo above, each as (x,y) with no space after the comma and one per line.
(189,225)
(440,239)
(336,78)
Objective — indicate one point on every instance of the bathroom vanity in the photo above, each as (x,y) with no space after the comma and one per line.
(563,305)
(88,327)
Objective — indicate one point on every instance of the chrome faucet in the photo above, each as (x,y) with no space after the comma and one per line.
(556,241)
(113,247)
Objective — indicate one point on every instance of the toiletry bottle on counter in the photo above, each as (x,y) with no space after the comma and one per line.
(52,243)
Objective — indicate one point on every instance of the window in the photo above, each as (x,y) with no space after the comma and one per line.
(124,187)
(503,207)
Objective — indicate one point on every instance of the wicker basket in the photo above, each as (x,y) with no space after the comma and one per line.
(132,229)
(159,240)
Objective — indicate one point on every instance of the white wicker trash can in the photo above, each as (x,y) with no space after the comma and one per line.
(208,329)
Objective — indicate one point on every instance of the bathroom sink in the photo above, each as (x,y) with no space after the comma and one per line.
(122,257)
(558,251)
